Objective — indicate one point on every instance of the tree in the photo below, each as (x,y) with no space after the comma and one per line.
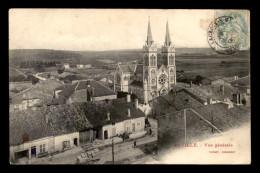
(34,80)
(39,68)
(198,79)
(60,68)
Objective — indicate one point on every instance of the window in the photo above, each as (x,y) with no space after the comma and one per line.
(171,72)
(42,148)
(139,124)
(146,60)
(16,107)
(162,79)
(66,144)
(127,128)
(171,60)
(153,62)
(153,81)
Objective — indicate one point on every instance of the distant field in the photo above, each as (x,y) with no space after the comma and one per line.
(106,61)
(193,61)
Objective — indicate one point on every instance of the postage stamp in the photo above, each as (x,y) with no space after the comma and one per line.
(229,31)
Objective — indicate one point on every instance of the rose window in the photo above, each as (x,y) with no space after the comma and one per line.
(162,79)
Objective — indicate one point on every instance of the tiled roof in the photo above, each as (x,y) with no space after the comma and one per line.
(139,69)
(41,90)
(170,103)
(128,68)
(100,90)
(172,125)
(119,113)
(242,81)
(63,119)
(215,90)
(137,83)
(224,118)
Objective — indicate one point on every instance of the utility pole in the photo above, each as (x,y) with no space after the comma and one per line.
(185,125)
(113,160)
(212,121)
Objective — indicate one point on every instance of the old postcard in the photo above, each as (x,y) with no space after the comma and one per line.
(129,86)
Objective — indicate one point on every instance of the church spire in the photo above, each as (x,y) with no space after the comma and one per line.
(149,34)
(167,35)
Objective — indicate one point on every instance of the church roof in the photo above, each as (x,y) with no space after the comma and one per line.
(128,68)
(137,83)
(139,69)
(149,34)
(167,36)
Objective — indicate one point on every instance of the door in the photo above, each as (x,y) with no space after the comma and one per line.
(33,151)
(133,125)
(105,134)
(76,141)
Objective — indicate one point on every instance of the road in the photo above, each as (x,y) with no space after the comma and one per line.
(36,75)
(18,71)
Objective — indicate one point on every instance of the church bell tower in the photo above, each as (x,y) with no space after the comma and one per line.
(168,54)
(150,63)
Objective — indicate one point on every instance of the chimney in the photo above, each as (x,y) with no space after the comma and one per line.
(88,83)
(93,91)
(129,114)
(47,118)
(236,98)
(136,103)
(128,98)
(221,88)
(108,116)
(190,84)
(209,100)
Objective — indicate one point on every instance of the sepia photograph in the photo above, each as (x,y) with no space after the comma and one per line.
(129,86)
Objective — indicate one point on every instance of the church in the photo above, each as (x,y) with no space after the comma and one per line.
(152,78)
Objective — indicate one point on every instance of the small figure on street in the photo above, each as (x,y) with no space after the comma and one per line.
(150,131)
(134,144)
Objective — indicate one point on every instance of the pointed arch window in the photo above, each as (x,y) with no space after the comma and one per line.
(165,60)
(171,72)
(146,60)
(153,61)
(171,60)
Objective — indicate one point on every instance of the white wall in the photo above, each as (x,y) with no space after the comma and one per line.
(58,140)
(121,127)
(53,143)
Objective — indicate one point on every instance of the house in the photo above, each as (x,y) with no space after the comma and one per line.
(212,80)
(35,96)
(242,84)
(58,89)
(83,91)
(87,66)
(73,66)
(80,66)
(118,116)
(66,65)
(173,102)
(44,131)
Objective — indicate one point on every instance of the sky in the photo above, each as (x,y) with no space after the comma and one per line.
(105,29)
